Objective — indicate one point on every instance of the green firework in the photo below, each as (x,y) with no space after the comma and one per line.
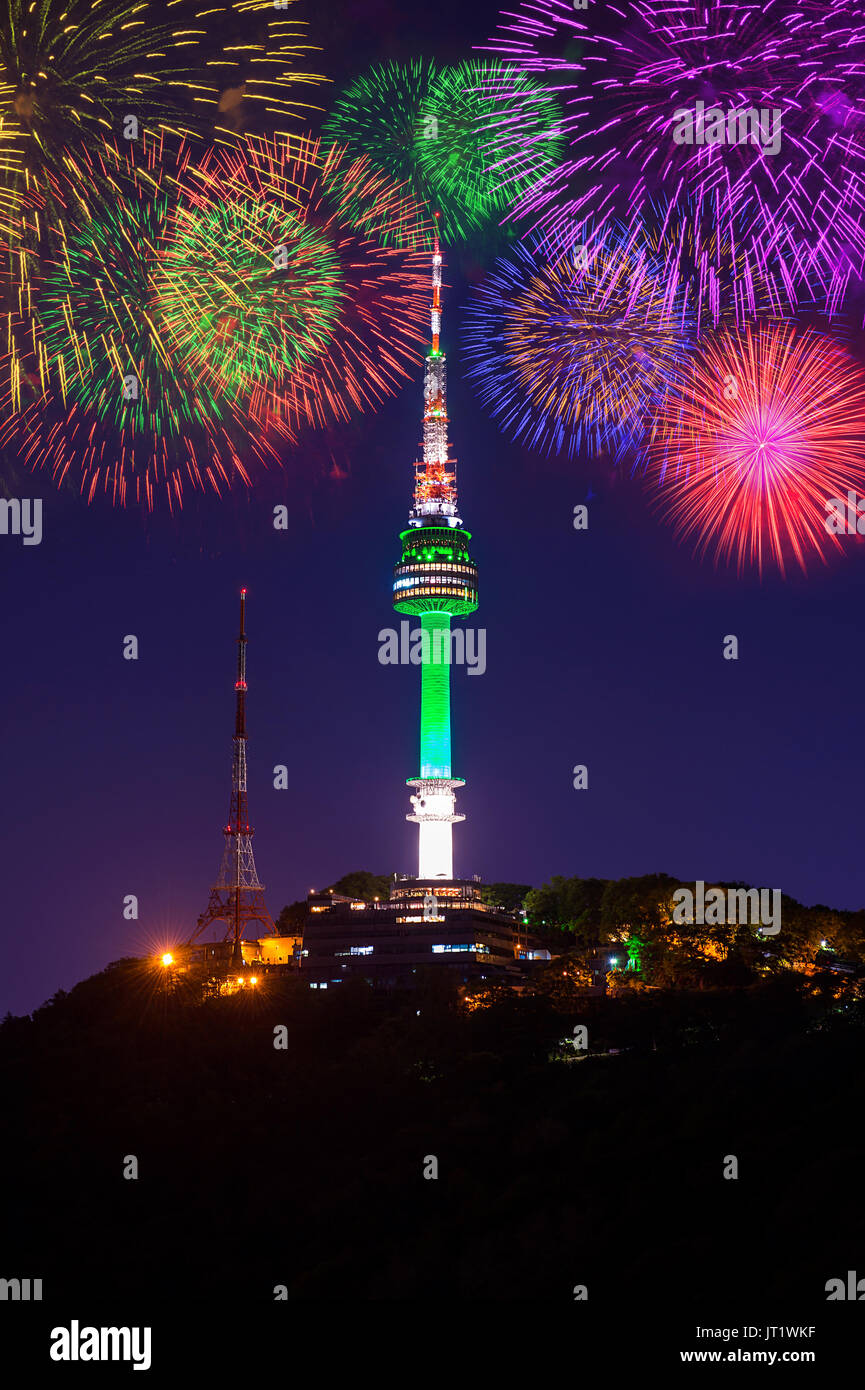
(469,140)
(379,117)
(487,134)
(247,290)
(99,312)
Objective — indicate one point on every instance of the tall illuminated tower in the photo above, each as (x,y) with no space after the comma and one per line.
(435,580)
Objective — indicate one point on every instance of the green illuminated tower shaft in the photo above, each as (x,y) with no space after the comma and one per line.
(435,697)
(435,580)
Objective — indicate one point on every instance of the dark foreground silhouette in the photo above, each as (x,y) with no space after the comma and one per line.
(302,1168)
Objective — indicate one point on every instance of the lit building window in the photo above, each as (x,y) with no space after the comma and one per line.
(477,947)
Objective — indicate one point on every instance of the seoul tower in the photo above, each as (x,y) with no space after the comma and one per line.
(435,580)
(237,897)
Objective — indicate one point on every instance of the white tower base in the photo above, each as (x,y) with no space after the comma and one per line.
(434,813)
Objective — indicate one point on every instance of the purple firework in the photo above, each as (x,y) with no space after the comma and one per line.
(753,114)
(572,355)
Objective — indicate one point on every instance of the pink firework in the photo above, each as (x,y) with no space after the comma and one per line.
(769,428)
(752,114)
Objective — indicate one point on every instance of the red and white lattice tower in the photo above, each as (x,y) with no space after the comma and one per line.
(237,897)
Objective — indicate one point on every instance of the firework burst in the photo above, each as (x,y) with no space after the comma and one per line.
(659,110)
(379,243)
(574,353)
(379,116)
(93,387)
(247,290)
(468,140)
(203,311)
(769,426)
(75,72)
(488,134)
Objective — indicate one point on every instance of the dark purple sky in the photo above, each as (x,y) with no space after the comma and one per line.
(603,648)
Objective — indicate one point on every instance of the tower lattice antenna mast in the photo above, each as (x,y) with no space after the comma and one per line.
(237,897)
(435,484)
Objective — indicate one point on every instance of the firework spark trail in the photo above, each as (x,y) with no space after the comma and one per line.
(719,267)
(572,354)
(769,426)
(269,57)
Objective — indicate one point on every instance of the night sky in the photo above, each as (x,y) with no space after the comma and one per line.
(603,648)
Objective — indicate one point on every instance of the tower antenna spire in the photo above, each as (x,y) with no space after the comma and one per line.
(435,478)
(240,684)
(437,288)
(237,897)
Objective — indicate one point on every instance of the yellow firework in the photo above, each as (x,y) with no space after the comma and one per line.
(75,72)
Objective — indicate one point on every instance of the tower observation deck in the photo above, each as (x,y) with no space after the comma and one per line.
(435,580)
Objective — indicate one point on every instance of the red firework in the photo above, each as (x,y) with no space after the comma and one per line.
(769,428)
